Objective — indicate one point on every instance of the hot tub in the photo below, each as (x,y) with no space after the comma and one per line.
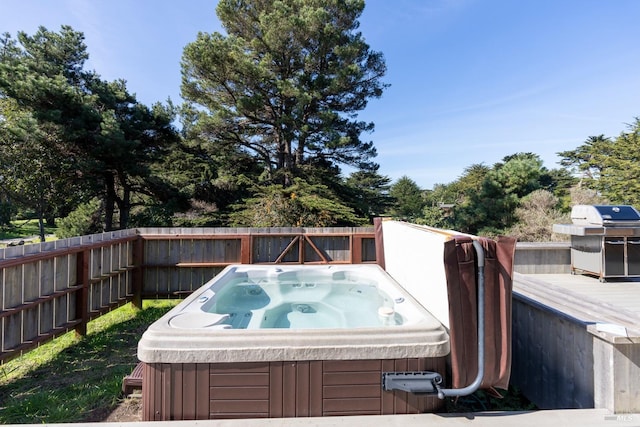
(282,341)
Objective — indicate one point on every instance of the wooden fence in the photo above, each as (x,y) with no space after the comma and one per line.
(50,288)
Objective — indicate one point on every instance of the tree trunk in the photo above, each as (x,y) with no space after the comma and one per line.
(300,150)
(110,200)
(288,166)
(40,210)
(41,228)
(124,205)
(50,219)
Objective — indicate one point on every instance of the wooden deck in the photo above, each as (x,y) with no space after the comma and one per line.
(585,298)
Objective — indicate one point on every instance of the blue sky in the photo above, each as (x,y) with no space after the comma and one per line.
(471,80)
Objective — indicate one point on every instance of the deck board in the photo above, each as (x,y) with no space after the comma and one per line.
(585,297)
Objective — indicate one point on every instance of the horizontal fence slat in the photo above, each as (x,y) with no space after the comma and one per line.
(43,299)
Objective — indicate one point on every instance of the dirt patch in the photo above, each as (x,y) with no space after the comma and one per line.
(130,409)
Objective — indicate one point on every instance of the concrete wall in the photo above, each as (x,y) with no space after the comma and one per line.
(616,372)
(542,258)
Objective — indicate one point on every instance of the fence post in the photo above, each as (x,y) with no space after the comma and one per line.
(246,249)
(355,243)
(82,301)
(138,274)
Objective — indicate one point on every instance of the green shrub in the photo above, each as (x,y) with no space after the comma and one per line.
(86,219)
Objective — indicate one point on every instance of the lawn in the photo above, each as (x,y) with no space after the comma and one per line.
(76,379)
(24,229)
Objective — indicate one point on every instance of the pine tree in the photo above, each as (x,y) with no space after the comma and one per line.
(286,84)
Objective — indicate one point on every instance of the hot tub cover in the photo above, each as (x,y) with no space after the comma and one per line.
(460,269)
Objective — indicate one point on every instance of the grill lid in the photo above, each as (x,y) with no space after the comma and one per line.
(606,215)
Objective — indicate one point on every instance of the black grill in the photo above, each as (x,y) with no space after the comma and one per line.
(605,240)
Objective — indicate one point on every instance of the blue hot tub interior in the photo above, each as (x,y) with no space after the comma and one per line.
(303,301)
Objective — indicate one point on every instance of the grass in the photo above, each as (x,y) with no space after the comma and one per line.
(76,379)
(24,228)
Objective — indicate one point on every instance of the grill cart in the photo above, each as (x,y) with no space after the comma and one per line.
(605,240)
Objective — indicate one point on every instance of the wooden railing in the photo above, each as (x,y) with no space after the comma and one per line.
(50,288)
